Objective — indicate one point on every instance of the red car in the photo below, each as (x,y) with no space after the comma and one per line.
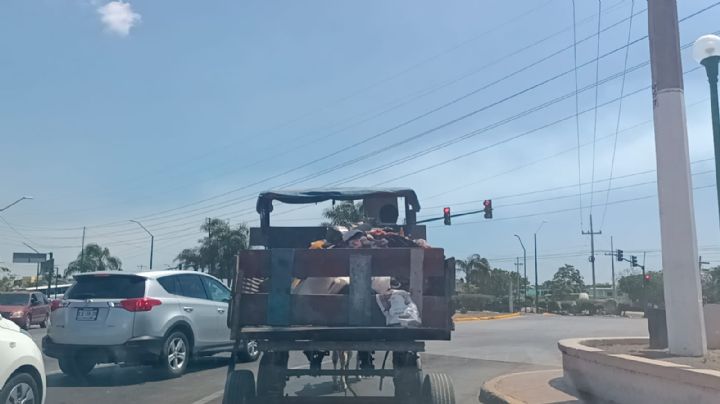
(25,308)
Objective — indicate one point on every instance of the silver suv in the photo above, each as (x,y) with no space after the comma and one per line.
(162,318)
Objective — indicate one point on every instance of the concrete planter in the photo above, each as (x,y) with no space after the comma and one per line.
(712,325)
(630,379)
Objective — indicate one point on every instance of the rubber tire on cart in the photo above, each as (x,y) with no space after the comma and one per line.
(271,374)
(408,377)
(239,387)
(249,352)
(77,366)
(438,389)
(45,322)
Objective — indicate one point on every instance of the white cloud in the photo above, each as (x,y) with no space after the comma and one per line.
(118,17)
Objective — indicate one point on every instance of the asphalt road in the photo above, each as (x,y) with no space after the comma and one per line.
(480,350)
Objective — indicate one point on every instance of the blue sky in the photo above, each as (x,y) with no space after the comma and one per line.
(170,112)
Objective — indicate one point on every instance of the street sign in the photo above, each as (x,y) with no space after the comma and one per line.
(28,258)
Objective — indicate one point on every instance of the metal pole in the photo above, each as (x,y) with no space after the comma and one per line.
(683,297)
(525,283)
(612,268)
(152,246)
(82,252)
(711,68)
(517,272)
(152,240)
(536,273)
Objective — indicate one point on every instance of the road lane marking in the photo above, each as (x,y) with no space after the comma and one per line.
(220,393)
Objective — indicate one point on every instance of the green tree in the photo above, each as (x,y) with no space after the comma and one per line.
(216,252)
(711,285)
(639,290)
(7,280)
(94,258)
(476,270)
(346,213)
(566,281)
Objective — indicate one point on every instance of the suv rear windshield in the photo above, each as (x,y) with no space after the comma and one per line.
(107,287)
(14,299)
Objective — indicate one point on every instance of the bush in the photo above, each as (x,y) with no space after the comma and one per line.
(553,306)
(472,301)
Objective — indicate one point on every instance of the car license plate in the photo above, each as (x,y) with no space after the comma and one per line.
(87,314)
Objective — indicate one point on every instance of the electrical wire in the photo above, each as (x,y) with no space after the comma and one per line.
(619,115)
(597,92)
(577,113)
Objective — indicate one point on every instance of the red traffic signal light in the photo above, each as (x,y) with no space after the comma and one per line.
(647,278)
(487,203)
(446,216)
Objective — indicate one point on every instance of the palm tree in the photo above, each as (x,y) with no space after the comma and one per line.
(190,258)
(94,258)
(344,214)
(476,269)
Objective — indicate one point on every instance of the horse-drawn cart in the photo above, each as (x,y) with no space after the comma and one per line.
(264,308)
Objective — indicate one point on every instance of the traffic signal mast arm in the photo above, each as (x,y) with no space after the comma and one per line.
(434,219)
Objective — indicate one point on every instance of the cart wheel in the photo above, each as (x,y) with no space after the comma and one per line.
(438,389)
(271,374)
(408,376)
(239,387)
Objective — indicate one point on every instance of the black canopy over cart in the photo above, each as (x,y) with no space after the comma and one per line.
(264,309)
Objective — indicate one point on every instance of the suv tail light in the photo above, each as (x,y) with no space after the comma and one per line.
(140,304)
(55,304)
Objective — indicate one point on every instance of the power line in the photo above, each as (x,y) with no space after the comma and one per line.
(375,136)
(597,76)
(619,114)
(577,111)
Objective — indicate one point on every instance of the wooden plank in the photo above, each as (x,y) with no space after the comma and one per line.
(287,237)
(346,333)
(336,262)
(326,310)
(450,290)
(415,346)
(359,309)
(435,312)
(233,320)
(434,262)
(281,265)
(254,263)
(417,256)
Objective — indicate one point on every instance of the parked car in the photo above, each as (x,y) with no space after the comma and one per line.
(22,373)
(25,308)
(163,318)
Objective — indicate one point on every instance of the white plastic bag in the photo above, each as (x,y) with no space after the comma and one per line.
(398,308)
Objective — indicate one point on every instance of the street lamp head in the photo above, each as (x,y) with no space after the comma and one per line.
(27,197)
(705,47)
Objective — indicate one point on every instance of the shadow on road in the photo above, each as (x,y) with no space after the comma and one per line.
(112,376)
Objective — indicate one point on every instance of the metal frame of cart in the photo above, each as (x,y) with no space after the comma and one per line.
(263,308)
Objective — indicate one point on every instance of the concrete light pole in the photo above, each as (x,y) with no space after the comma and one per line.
(152,241)
(683,298)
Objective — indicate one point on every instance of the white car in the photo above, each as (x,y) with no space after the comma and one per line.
(22,372)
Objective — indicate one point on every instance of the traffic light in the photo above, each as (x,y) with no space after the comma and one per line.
(488,208)
(446,216)
(647,278)
(619,255)
(633,260)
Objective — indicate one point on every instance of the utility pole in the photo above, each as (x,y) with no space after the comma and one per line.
(82,251)
(701,263)
(612,267)
(683,296)
(210,242)
(517,272)
(592,234)
(537,291)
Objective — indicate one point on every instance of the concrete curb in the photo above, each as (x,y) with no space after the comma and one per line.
(490,393)
(615,377)
(490,317)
